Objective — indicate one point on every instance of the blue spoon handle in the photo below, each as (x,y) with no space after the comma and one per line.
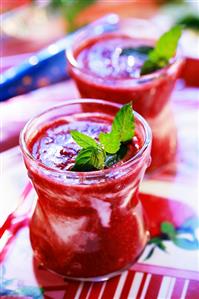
(48,66)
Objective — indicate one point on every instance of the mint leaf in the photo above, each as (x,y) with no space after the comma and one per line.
(123,123)
(169,229)
(150,66)
(143,50)
(90,158)
(190,21)
(112,147)
(122,130)
(165,49)
(115,158)
(110,141)
(83,140)
(167,44)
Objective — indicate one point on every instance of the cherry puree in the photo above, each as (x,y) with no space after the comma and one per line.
(54,146)
(103,58)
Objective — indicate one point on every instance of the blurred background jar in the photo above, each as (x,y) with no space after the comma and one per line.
(100,70)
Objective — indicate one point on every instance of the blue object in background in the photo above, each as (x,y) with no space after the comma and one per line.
(44,68)
(47,67)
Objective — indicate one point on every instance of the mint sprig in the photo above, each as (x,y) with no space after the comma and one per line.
(111,147)
(164,50)
(90,158)
(122,130)
(141,50)
(190,21)
(112,159)
(83,140)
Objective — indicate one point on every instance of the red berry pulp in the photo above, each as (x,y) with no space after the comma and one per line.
(86,224)
(54,146)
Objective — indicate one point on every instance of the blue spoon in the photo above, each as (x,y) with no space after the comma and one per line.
(48,66)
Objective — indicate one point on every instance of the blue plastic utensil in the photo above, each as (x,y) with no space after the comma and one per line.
(48,66)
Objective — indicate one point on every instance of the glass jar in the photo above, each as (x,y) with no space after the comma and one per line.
(87,225)
(100,73)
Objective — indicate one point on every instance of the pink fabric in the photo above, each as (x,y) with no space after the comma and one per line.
(15,112)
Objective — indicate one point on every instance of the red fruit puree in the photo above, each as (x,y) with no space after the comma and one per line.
(87,225)
(54,146)
(100,71)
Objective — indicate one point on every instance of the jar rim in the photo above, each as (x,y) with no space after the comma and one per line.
(88,174)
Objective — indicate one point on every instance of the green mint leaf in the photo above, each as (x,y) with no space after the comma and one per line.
(90,158)
(123,123)
(112,147)
(190,21)
(143,50)
(167,44)
(115,158)
(150,66)
(169,229)
(110,141)
(83,140)
(123,128)
(164,50)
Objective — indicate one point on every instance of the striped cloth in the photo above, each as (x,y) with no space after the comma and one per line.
(131,285)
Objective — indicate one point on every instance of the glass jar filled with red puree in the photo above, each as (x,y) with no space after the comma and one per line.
(86,225)
(100,70)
